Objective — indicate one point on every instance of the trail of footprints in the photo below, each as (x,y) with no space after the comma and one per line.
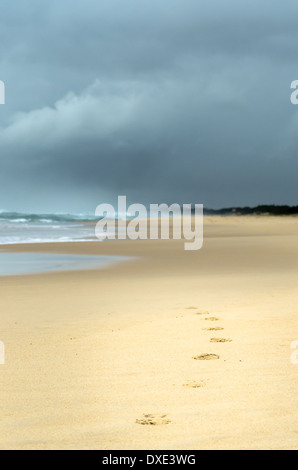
(158,420)
(153,420)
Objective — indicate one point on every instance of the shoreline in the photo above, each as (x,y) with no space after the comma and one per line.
(223,219)
(105,359)
(32,263)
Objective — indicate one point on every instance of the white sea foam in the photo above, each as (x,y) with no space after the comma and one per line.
(20,228)
(16,228)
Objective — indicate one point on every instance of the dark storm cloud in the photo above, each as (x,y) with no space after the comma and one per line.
(174,101)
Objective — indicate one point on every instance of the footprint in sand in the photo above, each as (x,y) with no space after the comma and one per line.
(202,313)
(195,384)
(215,328)
(153,420)
(220,340)
(206,357)
(211,318)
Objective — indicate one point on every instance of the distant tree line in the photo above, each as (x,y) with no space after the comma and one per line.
(258,210)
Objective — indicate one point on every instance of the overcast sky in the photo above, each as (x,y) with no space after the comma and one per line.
(160,100)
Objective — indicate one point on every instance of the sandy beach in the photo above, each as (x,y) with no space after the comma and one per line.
(169,350)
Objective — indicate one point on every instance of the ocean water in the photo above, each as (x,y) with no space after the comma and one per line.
(18,228)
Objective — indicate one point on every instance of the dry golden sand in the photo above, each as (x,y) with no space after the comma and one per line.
(104,359)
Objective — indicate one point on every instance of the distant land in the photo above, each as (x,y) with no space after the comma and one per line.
(258,210)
